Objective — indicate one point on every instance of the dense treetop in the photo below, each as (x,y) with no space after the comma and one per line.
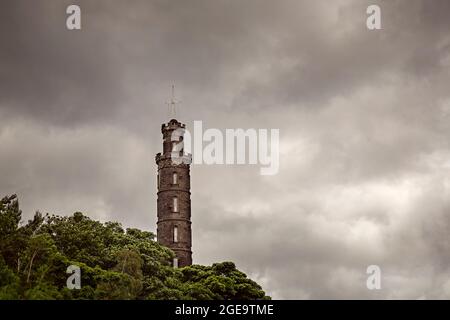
(114,263)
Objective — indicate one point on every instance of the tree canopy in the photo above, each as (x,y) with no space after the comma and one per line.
(115,263)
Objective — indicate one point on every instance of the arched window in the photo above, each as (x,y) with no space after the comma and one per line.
(175,204)
(174,178)
(175,234)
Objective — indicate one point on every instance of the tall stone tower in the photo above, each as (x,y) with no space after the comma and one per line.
(174,196)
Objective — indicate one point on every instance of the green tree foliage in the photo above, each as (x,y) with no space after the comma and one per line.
(114,263)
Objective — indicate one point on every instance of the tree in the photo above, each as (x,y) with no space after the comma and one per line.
(9,282)
(115,263)
(221,281)
(10,216)
(40,252)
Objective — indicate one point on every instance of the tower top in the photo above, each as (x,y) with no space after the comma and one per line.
(172,104)
(173,124)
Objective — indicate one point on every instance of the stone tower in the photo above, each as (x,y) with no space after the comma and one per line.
(174,196)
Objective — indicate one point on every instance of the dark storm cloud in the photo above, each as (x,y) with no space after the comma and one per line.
(335,58)
(364,118)
(50,74)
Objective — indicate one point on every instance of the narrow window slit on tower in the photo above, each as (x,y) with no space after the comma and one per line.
(174,178)
(175,262)
(175,204)
(175,234)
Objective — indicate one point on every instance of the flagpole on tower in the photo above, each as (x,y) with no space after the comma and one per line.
(172,104)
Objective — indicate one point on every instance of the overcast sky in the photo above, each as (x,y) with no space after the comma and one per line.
(364,119)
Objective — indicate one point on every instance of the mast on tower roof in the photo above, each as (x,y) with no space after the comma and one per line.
(172,104)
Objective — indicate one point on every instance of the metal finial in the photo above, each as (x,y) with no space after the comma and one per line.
(172,104)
